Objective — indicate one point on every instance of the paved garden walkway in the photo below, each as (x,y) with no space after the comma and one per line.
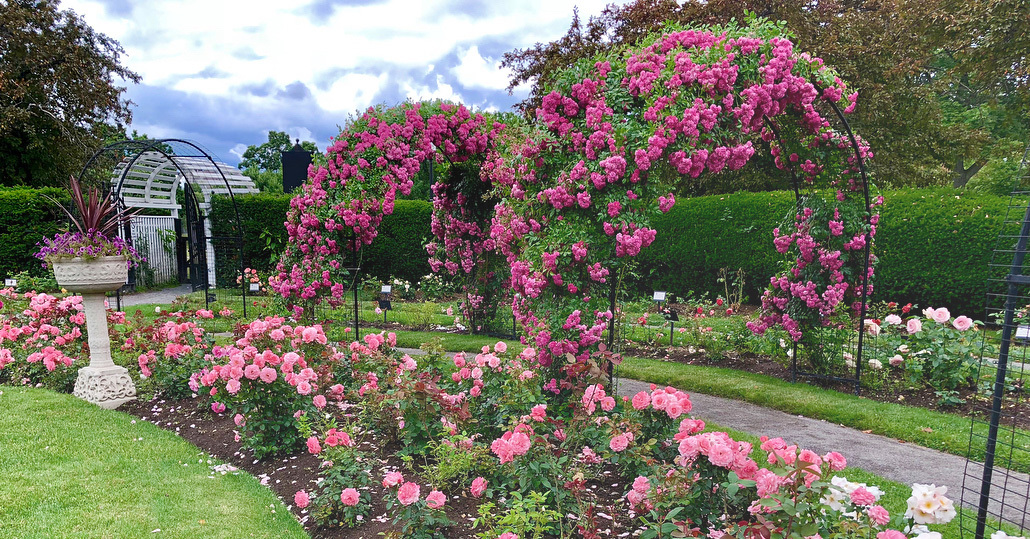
(165,295)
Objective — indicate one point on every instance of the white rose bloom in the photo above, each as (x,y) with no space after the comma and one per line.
(892,319)
(875,363)
(1002,535)
(928,312)
(928,535)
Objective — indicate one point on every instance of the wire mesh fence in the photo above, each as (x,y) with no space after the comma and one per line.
(998,486)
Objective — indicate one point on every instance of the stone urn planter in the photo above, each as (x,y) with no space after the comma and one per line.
(102,382)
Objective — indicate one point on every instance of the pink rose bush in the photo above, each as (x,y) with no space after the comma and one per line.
(933,349)
(41,336)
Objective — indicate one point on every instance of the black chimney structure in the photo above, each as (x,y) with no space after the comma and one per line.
(295,167)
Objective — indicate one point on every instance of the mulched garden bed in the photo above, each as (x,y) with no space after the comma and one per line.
(285,475)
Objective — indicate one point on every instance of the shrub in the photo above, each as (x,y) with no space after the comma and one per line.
(933,245)
(26,217)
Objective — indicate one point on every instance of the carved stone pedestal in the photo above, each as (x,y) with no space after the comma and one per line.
(103,383)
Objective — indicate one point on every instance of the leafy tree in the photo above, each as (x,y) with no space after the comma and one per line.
(911,109)
(263,163)
(266,156)
(57,84)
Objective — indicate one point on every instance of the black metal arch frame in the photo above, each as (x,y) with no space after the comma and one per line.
(795,373)
(136,148)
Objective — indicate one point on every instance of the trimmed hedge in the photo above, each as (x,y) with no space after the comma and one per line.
(26,217)
(934,245)
(397,251)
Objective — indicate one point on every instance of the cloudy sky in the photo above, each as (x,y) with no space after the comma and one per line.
(223,73)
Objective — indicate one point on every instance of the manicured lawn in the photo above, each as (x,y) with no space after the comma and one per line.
(71,469)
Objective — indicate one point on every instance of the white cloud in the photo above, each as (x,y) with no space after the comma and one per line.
(241,54)
(353,91)
(477,72)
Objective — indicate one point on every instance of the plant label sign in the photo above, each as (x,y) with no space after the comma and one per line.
(10,282)
(255,287)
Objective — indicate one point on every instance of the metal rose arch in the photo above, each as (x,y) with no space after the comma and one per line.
(573,191)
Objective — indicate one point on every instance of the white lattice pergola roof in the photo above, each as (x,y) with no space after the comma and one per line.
(154,178)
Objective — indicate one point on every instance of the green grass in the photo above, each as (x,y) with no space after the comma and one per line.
(937,430)
(71,469)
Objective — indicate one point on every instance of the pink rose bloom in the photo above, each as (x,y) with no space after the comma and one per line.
(304,388)
(508,535)
(896,360)
(861,496)
(233,386)
(301,499)
(478,487)
(635,497)
(890,534)
(350,497)
(641,400)
(539,412)
(475,391)
(252,372)
(619,443)
(239,420)
(879,515)
(962,323)
(436,499)
(836,460)
(459,360)
(217,407)
(941,315)
(607,404)
(319,401)
(641,484)
(501,347)
(268,375)
(892,320)
(914,326)
(392,479)
(520,443)
(313,446)
(408,493)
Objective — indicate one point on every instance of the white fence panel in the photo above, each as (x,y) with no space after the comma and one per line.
(154,237)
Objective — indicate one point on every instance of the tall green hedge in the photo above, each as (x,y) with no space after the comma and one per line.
(397,251)
(933,245)
(26,217)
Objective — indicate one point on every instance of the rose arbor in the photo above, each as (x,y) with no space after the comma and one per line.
(614,138)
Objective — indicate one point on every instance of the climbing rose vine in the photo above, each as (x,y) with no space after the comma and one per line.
(576,189)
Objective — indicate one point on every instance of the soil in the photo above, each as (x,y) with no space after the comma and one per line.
(286,474)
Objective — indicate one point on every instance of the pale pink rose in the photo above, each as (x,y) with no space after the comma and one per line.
(233,386)
(928,313)
(436,499)
(836,460)
(393,479)
(861,496)
(635,497)
(872,328)
(641,484)
(252,372)
(641,400)
(301,499)
(879,515)
(896,360)
(501,347)
(239,420)
(962,323)
(408,493)
(914,325)
(268,375)
(619,443)
(350,497)
(892,319)
(539,412)
(478,487)
(941,316)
